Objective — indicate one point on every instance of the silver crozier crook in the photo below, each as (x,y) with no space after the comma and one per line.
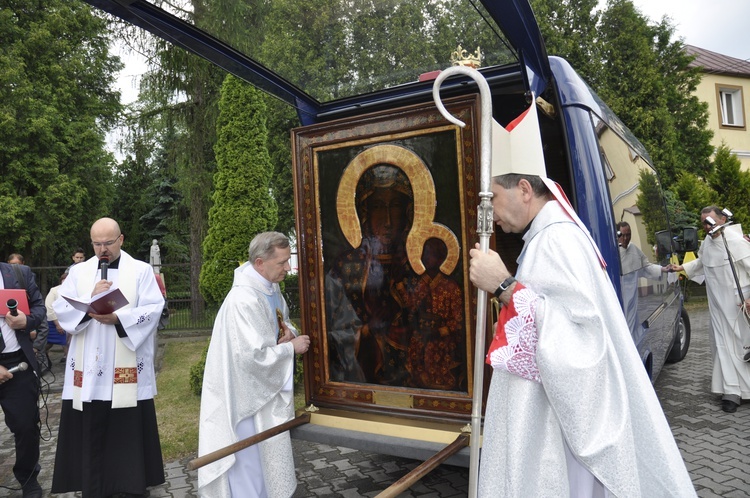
(484,229)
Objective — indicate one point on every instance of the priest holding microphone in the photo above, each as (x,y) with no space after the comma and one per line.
(108,442)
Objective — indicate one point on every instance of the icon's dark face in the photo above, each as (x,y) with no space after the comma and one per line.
(434,253)
(387,212)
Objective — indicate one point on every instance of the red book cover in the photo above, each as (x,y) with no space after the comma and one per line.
(101,304)
(19,295)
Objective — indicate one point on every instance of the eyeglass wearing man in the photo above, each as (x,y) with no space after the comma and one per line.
(124,421)
(623,237)
(109,248)
(710,223)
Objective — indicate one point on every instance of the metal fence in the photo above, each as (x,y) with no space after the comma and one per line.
(187,312)
(181,316)
(182,303)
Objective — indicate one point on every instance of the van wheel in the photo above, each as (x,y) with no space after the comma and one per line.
(681,340)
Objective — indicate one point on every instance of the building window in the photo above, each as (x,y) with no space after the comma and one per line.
(731,106)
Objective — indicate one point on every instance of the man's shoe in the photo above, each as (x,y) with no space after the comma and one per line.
(32,489)
(729,406)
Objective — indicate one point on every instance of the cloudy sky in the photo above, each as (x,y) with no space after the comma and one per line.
(717,25)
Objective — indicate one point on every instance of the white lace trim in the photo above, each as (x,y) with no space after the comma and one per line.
(519,355)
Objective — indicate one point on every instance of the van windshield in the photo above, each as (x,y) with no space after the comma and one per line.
(334,49)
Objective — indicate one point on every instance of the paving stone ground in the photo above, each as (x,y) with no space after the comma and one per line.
(714,444)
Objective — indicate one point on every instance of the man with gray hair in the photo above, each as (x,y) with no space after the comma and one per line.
(248,380)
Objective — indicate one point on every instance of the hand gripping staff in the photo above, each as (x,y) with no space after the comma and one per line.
(484,230)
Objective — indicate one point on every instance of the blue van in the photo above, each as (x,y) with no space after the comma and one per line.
(390,370)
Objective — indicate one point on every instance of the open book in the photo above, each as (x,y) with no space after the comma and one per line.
(100,304)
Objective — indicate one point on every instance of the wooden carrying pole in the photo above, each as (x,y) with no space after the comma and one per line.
(247,442)
(427,466)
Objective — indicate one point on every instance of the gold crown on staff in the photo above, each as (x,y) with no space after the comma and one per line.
(461,57)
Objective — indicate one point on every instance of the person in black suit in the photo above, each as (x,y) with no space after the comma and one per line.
(19,391)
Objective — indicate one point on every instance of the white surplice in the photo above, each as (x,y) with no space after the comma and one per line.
(594,400)
(247,388)
(635,265)
(139,320)
(729,331)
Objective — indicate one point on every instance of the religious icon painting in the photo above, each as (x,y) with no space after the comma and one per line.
(386,216)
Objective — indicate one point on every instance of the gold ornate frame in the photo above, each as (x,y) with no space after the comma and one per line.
(441,163)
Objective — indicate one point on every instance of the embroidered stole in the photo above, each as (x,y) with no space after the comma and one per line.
(275,303)
(125,383)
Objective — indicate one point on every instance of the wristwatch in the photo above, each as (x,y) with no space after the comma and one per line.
(504,286)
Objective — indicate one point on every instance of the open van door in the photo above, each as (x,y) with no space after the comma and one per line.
(522,41)
(387,371)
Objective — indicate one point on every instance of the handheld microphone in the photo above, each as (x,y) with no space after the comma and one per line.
(19,368)
(12,305)
(105,264)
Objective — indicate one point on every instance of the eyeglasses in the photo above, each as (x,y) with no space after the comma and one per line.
(105,244)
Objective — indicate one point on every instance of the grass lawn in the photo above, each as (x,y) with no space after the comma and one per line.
(696,303)
(177,408)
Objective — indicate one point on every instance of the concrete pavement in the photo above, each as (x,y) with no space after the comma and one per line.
(714,444)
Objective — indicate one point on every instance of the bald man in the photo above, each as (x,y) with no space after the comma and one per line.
(108,442)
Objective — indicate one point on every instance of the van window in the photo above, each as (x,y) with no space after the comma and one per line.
(638,202)
(634,190)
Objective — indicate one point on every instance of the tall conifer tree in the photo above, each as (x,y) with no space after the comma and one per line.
(243,206)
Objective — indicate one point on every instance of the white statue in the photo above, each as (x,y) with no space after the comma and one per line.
(155,259)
